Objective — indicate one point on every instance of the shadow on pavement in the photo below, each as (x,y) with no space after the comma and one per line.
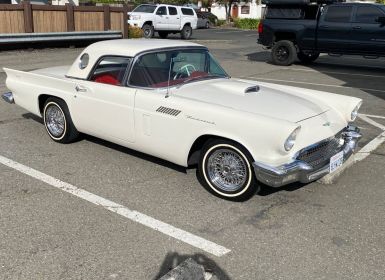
(117,147)
(354,74)
(173,259)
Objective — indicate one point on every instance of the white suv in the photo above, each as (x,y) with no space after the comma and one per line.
(164,19)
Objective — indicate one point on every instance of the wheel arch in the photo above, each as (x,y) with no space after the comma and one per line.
(42,98)
(147,22)
(198,144)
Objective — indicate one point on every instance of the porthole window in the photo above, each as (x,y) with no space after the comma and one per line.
(84,59)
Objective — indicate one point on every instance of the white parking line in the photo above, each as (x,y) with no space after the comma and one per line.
(307,83)
(135,216)
(374,116)
(331,72)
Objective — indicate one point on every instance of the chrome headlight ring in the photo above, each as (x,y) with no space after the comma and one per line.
(354,113)
(290,141)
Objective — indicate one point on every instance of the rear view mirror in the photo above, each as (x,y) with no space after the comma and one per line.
(381,20)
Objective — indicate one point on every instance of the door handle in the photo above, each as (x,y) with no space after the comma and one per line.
(357,27)
(80,88)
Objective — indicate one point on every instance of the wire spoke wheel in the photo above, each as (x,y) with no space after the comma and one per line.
(55,120)
(227,170)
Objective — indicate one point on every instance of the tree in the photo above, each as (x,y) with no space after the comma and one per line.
(380,1)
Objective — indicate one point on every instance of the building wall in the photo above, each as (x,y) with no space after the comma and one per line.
(255,10)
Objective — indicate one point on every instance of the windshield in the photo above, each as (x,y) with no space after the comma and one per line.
(145,9)
(160,69)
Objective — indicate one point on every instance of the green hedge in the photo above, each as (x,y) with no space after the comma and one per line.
(246,23)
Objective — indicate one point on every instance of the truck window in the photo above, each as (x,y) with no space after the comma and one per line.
(188,12)
(283,13)
(172,11)
(367,14)
(338,14)
(161,11)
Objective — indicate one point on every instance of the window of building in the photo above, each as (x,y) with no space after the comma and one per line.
(245,9)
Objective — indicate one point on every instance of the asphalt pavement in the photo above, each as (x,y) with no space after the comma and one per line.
(311,231)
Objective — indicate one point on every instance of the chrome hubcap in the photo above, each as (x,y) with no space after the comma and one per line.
(227,170)
(55,120)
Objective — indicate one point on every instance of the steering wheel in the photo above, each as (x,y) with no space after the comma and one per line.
(185,71)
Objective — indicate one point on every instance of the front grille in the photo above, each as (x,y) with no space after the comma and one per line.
(319,154)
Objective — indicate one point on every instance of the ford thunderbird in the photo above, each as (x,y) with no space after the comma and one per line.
(172,99)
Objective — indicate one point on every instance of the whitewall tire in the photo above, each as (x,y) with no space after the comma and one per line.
(225,169)
(58,122)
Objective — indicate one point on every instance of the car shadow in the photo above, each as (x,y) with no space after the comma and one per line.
(173,259)
(365,77)
(117,147)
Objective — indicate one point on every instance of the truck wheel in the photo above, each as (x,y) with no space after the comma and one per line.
(58,122)
(283,53)
(307,57)
(186,32)
(148,31)
(163,34)
(225,169)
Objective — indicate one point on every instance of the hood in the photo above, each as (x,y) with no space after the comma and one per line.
(263,100)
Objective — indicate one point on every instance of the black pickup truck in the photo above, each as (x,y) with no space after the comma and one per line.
(306,28)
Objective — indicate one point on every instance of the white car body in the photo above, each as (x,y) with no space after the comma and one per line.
(166,122)
(165,22)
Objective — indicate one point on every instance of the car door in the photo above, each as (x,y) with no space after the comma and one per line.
(161,18)
(101,105)
(334,30)
(174,18)
(368,34)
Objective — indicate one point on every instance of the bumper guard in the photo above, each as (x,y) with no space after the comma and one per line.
(297,170)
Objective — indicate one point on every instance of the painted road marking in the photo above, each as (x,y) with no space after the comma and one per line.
(179,234)
(332,72)
(314,84)
(360,155)
(373,116)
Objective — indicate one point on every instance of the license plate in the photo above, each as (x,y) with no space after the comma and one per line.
(336,161)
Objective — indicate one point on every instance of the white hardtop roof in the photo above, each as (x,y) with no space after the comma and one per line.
(122,47)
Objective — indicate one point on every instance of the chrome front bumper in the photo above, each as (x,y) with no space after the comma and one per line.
(301,171)
(8,97)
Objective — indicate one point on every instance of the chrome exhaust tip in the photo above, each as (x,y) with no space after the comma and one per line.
(8,97)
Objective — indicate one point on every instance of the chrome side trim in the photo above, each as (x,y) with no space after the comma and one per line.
(8,97)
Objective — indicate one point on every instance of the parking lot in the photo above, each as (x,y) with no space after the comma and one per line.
(312,231)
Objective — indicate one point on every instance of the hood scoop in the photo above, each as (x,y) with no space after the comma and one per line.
(252,89)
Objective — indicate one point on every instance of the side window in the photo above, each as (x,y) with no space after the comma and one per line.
(338,14)
(161,11)
(187,11)
(172,11)
(110,70)
(367,14)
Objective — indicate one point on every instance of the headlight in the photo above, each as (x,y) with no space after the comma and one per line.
(290,141)
(135,17)
(354,113)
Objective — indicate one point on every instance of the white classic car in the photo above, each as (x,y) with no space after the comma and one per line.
(172,100)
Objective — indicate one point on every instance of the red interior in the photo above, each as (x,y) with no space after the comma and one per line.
(106,79)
